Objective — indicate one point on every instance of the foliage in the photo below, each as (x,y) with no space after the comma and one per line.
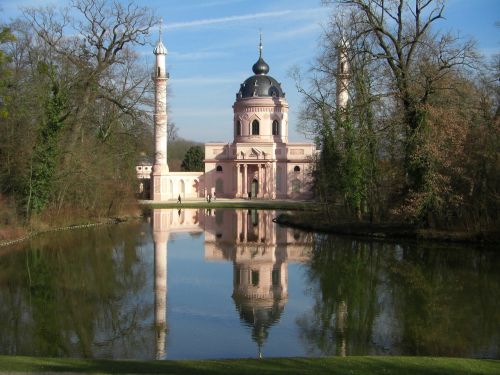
(193,160)
(77,99)
(406,147)
(5,73)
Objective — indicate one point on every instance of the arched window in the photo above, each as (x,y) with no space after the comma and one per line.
(276,127)
(296,169)
(219,168)
(238,127)
(255,127)
(159,70)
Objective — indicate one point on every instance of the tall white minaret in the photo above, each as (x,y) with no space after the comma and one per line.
(343,75)
(160,166)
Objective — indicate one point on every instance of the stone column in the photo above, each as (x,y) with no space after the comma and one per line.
(238,181)
(259,179)
(245,181)
(273,180)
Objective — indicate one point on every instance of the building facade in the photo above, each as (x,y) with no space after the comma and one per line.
(259,162)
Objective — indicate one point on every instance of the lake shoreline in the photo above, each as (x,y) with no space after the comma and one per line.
(292,365)
(385,231)
(381,231)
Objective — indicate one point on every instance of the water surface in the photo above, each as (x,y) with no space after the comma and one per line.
(231,283)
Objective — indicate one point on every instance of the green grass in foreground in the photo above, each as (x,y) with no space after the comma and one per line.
(327,365)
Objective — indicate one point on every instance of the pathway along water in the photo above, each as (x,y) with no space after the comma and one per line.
(227,283)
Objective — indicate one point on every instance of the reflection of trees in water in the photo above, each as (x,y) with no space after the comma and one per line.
(412,299)
(78,294)
(447,300)
(344,277)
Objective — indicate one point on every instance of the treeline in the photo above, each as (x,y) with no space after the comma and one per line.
(75,108)
(419,139)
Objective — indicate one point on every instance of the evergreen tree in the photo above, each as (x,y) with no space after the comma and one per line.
(193,160)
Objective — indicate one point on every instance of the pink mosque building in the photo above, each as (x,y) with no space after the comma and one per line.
(258,163)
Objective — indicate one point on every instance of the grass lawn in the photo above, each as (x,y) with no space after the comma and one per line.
(263,204)
(326,365)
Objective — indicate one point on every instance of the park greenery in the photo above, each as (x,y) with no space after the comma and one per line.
(302,366)
(419,139)
(417,143)
(75,110)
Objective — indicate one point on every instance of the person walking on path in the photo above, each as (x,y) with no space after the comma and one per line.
(179,199)
(214,196)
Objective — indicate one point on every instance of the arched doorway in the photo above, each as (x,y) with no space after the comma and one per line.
(254,188)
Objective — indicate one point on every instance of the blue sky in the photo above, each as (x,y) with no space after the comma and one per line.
(213,44)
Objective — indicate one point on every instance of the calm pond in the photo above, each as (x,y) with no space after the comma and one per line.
(231,283)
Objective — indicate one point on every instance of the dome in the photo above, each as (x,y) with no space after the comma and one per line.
(160,49)
(260,85)
(260,67)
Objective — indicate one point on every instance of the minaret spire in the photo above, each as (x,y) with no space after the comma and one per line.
(161,27)
(260,43)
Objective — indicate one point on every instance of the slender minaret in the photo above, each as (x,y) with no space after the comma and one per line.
(160,167)
(342,75)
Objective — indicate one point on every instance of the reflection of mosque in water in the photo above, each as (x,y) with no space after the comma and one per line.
(259,249)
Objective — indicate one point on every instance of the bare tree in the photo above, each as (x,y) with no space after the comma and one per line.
(416,57)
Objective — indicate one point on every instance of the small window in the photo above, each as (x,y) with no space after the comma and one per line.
(159,70)
(219,168)
(255,127)
(276,127)
(296,169)
(238,127)
(255,278)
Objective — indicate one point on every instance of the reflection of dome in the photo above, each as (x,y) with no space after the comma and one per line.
(260,315)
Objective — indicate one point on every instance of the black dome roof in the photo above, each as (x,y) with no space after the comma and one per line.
(260,67)
(260,84)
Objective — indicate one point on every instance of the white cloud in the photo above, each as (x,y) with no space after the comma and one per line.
(222,20)
(198,55)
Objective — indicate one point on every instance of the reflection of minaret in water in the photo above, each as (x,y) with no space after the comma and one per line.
(160,238)
(164,222)
(340,328)
(259,251)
